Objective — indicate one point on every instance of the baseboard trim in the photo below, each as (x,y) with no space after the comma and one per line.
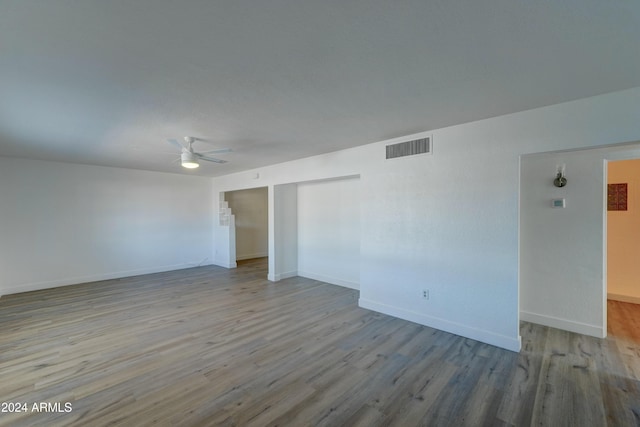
(624,298)
(225,264)
(281,276)
(564,324)
(29,287)
(330,280)
(488,337)
(252,256)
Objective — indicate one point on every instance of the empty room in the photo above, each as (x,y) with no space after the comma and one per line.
(319,213)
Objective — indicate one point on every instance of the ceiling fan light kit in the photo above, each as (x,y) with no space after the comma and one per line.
(189,160)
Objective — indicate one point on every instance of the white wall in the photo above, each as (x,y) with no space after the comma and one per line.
(283,232)
(329,231)
(251,219)
(449,222)
(561,252)
(62,223)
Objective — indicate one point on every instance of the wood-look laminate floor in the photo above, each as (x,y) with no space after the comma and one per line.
(210,346)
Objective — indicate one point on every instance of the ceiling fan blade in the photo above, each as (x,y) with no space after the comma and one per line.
(218,151)
(209,159)
(202,139)
(171,153)
(175,143)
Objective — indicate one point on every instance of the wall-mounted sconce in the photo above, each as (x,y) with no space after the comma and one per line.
(560,180)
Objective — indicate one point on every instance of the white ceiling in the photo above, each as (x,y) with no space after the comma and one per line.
(107,82)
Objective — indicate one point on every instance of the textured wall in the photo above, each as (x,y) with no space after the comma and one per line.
(329,231)
(64,223)
(283,231)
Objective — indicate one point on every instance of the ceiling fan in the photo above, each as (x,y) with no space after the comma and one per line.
(189,158)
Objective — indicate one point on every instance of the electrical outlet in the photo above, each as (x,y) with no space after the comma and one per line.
(425,294)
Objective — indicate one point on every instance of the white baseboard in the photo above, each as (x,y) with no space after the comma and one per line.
(28,287)
(564,324)
(498,340)
(225,264)
(281,276)
(252,256)
(624,298)
(329,279)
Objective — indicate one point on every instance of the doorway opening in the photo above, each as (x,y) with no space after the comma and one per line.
(250,209)
(623,248)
